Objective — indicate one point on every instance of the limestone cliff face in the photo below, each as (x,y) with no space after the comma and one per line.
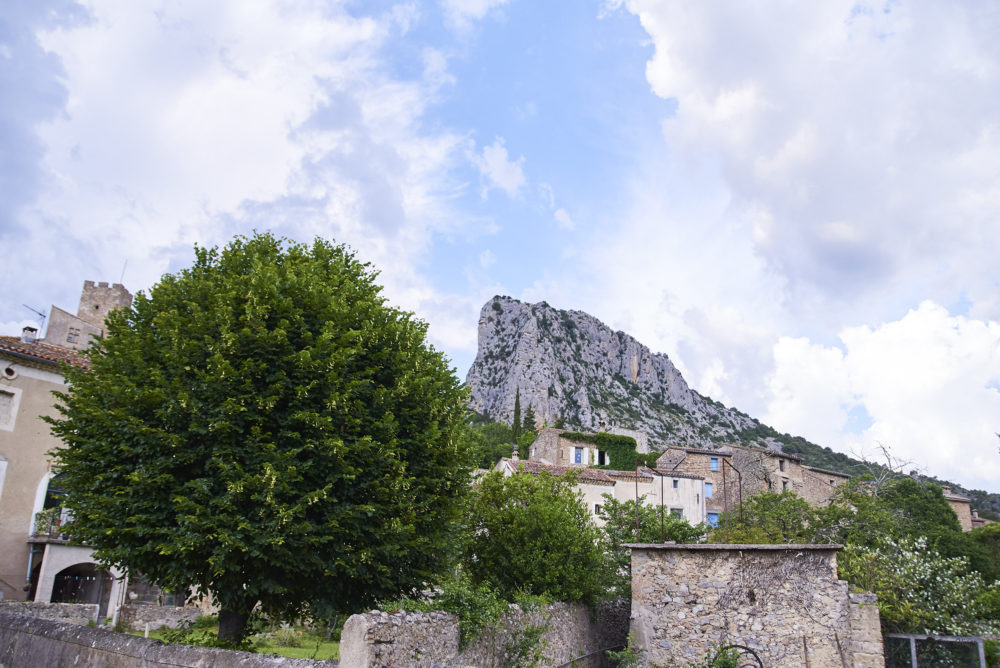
(570,365)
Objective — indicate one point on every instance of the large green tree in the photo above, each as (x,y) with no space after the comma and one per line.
(263,427)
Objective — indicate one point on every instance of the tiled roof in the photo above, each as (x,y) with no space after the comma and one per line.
(826,471)
(42,352)
(585,475)
(951,496)
(676,474)
(718,453)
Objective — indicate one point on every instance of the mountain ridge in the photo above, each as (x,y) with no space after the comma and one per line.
(570,366)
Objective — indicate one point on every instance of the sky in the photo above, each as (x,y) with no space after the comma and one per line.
(799,203)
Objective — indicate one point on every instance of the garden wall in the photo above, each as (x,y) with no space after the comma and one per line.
(431,639)
(783,601)
(69,613)
(157,616)
(28,641)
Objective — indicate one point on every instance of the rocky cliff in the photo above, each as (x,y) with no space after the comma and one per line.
(569,365)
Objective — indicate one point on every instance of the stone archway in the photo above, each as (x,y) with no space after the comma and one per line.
(83,583)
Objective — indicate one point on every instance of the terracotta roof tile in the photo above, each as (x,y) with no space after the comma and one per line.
(585,474)
(42,352)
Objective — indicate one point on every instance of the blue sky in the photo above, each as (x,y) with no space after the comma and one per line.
(797,202)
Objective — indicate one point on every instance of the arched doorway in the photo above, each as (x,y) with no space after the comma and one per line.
(83,583)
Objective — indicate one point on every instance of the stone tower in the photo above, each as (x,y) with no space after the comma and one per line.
(97,300)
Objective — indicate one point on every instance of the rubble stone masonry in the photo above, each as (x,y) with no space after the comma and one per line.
(783,601)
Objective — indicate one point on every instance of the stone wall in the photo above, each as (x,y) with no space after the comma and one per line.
(157,616)
(28,641)
(431,639)
(80,614)
(783,601)
(866,632)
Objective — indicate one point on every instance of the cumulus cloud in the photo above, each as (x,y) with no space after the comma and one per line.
(862,135)
(193,122)
(927,382)
(497,170)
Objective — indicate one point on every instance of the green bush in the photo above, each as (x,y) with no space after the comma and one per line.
(533,534)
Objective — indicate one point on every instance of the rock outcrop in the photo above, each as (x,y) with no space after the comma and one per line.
(569,365)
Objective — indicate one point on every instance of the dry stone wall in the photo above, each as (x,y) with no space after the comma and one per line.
(80,614)
(431,639)
(29,641)
(783,601)
(157,616)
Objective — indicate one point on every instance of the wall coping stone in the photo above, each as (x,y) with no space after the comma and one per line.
(724,547)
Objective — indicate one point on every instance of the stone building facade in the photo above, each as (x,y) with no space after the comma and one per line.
(962,505)
(733,472)
(75,332)
(782,601)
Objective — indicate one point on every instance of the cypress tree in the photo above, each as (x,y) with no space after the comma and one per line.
(516,422)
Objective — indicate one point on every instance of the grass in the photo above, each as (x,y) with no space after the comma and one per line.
(294,643)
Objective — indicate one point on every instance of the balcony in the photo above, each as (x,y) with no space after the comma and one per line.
(48,526)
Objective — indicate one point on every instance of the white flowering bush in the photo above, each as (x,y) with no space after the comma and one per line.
(919,591)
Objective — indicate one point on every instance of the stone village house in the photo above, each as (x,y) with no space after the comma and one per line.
(36,560)
(701,482)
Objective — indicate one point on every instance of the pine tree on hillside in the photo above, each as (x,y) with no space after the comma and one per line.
(529,419)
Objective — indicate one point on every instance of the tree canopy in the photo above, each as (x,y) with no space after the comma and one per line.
(263,427)
(533,534)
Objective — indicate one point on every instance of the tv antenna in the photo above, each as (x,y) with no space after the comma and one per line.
(40,314)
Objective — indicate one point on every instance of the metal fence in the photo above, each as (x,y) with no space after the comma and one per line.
(906,650)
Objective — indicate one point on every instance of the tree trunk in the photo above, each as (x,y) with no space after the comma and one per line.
(232,625)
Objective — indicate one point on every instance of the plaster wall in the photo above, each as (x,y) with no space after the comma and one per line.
(25,441)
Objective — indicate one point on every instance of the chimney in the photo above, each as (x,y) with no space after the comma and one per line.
(946,489)
(513,455)
(28,334)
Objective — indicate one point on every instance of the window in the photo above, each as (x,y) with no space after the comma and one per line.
(781,464)
(714,463)
(831,483)
(708,490)
(597,509)
(577,455)
(676,483)
(602,458)
(73,336)
(9,400)
(677,512)
(712,519)
(784,485)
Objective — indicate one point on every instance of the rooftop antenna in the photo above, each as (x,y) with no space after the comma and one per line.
(122,279)
(41,325)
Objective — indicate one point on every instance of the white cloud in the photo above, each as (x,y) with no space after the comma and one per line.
(864,133)
(563,220)
(498,170)
(487,259)
(196,121)
(927,382)
(461,13)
